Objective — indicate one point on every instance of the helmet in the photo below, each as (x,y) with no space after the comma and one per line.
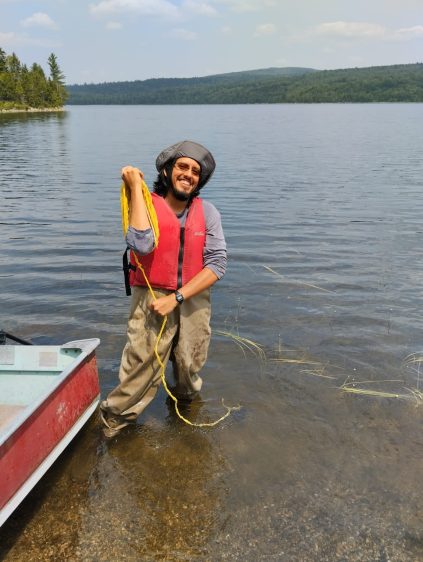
(189,149)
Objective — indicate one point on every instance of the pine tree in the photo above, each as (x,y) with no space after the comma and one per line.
(4,78)
(15,91)
(56,87)
(55,73)
(37,87)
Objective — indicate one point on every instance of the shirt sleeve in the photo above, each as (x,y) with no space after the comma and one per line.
(141,241)
(214,255)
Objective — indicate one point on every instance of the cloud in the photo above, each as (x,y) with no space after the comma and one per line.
(265,29)
(8,39)
(12,39)
(410,32)
(352,29)
(199,8)
(184,34)
(39,19)
(356,30)
(247,5)
(161,8)
(113,25)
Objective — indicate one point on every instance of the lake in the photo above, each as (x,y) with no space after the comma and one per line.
(317,334)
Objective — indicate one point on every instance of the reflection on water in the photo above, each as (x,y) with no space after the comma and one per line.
(322,209)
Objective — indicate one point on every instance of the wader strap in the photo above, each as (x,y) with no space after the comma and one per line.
(127,266)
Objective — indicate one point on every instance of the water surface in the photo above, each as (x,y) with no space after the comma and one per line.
(321,207)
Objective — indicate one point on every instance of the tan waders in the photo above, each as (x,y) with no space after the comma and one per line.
(185,339)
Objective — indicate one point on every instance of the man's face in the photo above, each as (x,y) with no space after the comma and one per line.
(185,177)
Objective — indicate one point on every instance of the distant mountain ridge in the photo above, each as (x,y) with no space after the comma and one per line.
(264,72)
(396,83)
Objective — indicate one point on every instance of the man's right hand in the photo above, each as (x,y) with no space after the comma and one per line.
(132,177)
(138,216)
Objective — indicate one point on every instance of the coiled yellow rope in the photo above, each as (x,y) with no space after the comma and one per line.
(125,201)
(152,217)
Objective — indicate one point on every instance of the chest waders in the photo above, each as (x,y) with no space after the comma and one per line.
(125,203)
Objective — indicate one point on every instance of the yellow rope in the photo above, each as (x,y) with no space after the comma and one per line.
(125,202)
(152,217)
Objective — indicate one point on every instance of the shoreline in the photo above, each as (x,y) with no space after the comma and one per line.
(32,110)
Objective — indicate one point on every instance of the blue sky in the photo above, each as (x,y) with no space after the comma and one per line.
(111,40)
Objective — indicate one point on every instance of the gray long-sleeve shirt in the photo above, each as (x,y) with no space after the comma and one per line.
(214,255)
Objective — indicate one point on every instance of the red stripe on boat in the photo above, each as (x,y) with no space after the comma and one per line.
(31,443)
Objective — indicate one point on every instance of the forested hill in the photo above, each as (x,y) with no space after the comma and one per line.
(218,88)
(397,83)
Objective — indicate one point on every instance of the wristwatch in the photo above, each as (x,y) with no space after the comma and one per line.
(179,297)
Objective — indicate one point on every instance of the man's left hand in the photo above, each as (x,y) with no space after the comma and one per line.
(164,305)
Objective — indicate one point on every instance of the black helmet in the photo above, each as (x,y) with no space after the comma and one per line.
(188,149)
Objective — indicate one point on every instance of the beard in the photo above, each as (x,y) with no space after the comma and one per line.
(179,195)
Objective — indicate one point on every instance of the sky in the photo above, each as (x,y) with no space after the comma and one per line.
(115,40)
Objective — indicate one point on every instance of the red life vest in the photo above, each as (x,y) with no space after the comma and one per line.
(167,267)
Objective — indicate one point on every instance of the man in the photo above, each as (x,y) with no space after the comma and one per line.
(189,259)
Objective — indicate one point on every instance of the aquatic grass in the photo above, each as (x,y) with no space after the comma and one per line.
(416,394)
(316,368)
(297,282)
(317,373)
(245,344)
(415,359)
(299,361)
(368,392)
(356,387)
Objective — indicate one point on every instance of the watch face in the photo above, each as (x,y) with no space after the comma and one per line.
(179,297)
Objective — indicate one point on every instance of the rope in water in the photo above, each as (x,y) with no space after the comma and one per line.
(152,216)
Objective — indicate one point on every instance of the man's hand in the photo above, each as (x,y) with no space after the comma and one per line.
(132,177)
(138,216)
(164,305)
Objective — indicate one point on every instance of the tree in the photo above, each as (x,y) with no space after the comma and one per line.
(36,87)
(56,74)
(56,87)
(13,70)
(13,64)
(2,60)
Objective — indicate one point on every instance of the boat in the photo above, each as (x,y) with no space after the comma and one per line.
(47,394)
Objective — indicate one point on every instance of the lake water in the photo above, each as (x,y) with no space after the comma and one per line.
(322,208)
